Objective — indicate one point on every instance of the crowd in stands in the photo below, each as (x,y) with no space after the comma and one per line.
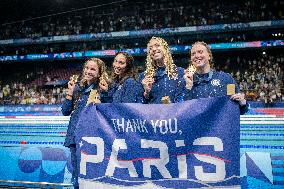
(140,15)
(134,15)
(18,93)
(260,78)
(263,80)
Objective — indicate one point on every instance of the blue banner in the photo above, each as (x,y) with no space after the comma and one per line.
(193,144)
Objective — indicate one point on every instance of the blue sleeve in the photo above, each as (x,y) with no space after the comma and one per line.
(141,77)
(180,72)
(182,92)
(105,97)
(144,100)
(68,105)
(244,109)
(133,91)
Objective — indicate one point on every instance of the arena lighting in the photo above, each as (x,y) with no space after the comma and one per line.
(277,34)
(264,53)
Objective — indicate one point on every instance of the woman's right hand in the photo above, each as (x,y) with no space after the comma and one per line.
(147,83)
(103,85)
(71,87)
(188,77)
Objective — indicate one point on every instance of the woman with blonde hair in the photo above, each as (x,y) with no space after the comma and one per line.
(162,78)
(79,95)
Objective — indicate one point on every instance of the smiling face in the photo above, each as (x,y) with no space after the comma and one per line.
(200,57)
(91,71)
(156,52)
(119,65)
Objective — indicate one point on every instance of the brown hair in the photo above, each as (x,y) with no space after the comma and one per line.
(130,70)
(101,75)
(102,71)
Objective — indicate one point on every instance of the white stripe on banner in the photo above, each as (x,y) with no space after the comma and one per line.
(87,184)
(262,122)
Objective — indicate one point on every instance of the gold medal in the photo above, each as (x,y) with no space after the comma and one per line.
(166,100)
(231,89)
(75,78)
(192,69)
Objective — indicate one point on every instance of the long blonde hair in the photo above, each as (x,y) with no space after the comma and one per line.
(168,60)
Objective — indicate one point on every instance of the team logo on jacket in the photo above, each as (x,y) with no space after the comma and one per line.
(215,82)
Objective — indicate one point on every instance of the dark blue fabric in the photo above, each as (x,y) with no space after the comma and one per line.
(75,170)
(212,84)
(130,91)
(200,78)
(163,85)
(69,109)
